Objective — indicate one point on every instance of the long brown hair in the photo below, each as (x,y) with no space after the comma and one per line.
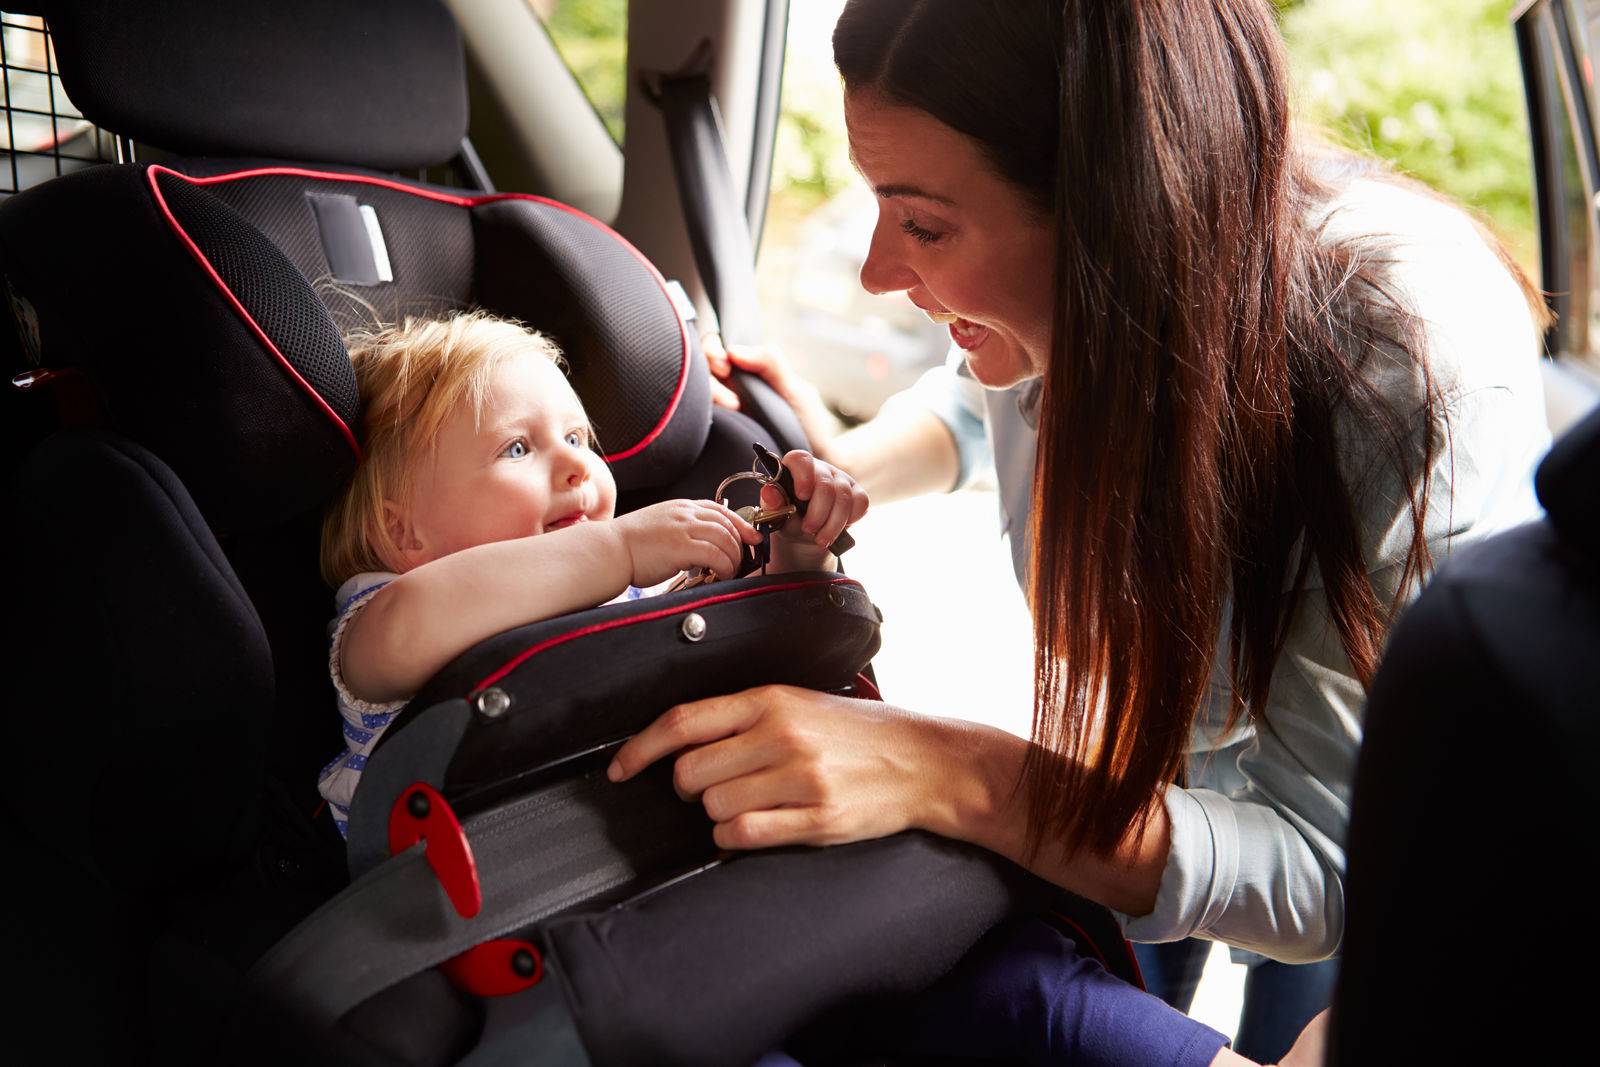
(1206,342)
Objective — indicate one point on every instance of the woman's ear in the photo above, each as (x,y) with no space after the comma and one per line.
(400,548)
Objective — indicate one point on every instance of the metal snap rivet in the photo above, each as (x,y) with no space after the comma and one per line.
(836,596)
(493,703)
(694,626)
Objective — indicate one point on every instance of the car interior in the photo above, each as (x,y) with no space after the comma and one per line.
(171,455)
(216,194)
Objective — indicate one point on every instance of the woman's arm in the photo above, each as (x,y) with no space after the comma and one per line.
(431,614)
(905,452)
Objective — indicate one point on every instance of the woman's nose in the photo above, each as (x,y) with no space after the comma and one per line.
(884,271)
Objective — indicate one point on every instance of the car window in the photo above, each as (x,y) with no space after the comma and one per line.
(592,37)
(43,134)
(1580,335)
(857,348)
(1556,41)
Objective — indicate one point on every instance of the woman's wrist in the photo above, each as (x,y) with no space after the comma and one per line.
(972,784)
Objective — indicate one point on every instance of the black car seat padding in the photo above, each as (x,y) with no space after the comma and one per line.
(238,79)
(140,739)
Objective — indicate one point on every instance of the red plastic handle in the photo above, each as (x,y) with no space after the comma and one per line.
(421,814)
(495,968)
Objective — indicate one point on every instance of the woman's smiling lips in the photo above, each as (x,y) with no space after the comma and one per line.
(966,335)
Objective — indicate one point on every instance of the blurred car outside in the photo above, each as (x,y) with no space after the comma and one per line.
(857,348)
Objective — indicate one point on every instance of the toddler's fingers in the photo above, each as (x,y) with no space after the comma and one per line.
(742,530)
(803,470)
(846,503)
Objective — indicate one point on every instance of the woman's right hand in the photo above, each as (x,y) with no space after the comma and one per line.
(779,765)
(676,535)
(769,364)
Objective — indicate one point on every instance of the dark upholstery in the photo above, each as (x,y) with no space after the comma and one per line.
(369,83)
(157,707)
(1472,845)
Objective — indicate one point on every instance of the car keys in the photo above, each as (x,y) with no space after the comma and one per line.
(768,469)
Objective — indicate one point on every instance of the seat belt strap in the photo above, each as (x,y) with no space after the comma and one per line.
(567,842)
(720,236)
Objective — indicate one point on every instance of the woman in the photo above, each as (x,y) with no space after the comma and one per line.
(1271,387)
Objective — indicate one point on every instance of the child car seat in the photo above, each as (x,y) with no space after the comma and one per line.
(192,410)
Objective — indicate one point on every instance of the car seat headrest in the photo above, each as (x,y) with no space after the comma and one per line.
(1568,483)
(374,83)
(206,343)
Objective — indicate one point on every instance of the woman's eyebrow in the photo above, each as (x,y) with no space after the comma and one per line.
(887,191)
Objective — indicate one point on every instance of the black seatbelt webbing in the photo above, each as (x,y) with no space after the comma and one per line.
(535,856)
(720,236)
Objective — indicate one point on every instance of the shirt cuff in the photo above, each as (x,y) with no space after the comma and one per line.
(1202,867)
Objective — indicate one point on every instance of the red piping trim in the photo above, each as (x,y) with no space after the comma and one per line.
(249,320)
(474,201)
(599,627)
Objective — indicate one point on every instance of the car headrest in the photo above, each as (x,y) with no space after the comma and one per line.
(1568,483)
(205,342)
(372,83)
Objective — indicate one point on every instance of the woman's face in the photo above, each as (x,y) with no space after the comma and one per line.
(961,241)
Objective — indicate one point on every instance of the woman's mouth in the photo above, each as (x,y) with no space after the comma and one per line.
(966,335)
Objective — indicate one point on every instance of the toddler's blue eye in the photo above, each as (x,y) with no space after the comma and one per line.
(576,439)
(515,450)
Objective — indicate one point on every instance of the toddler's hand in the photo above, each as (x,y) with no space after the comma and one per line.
(833,501)
(675,535)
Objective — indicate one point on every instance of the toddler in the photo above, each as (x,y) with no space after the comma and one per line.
(479,505)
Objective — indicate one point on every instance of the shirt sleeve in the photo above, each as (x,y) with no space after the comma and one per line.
(362,722)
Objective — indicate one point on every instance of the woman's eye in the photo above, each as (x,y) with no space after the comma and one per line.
(922,236)
(515,450)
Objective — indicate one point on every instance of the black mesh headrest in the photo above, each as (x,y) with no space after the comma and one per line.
(1568,482)
(375,83)
(206,343)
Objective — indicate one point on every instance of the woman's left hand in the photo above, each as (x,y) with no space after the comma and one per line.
(781,765)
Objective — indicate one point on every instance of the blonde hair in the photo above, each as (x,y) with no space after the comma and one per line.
(413,378)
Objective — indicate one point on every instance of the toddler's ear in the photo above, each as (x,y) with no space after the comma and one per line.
(399,548)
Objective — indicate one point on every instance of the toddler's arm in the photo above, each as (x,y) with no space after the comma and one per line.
(833,501)
(429,615)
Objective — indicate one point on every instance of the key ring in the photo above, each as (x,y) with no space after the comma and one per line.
(758,475)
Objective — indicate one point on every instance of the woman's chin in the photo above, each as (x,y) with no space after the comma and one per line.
(999,364)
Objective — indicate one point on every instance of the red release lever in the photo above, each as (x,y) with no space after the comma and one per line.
(421,814)
(495,968)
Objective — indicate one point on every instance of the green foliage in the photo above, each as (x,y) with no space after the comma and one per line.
(592,37)
(1431,85)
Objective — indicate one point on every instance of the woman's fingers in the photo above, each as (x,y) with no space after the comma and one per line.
(716,354)
(678,728)
(717,363)
(780,765)
(722,396)
(782,826)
